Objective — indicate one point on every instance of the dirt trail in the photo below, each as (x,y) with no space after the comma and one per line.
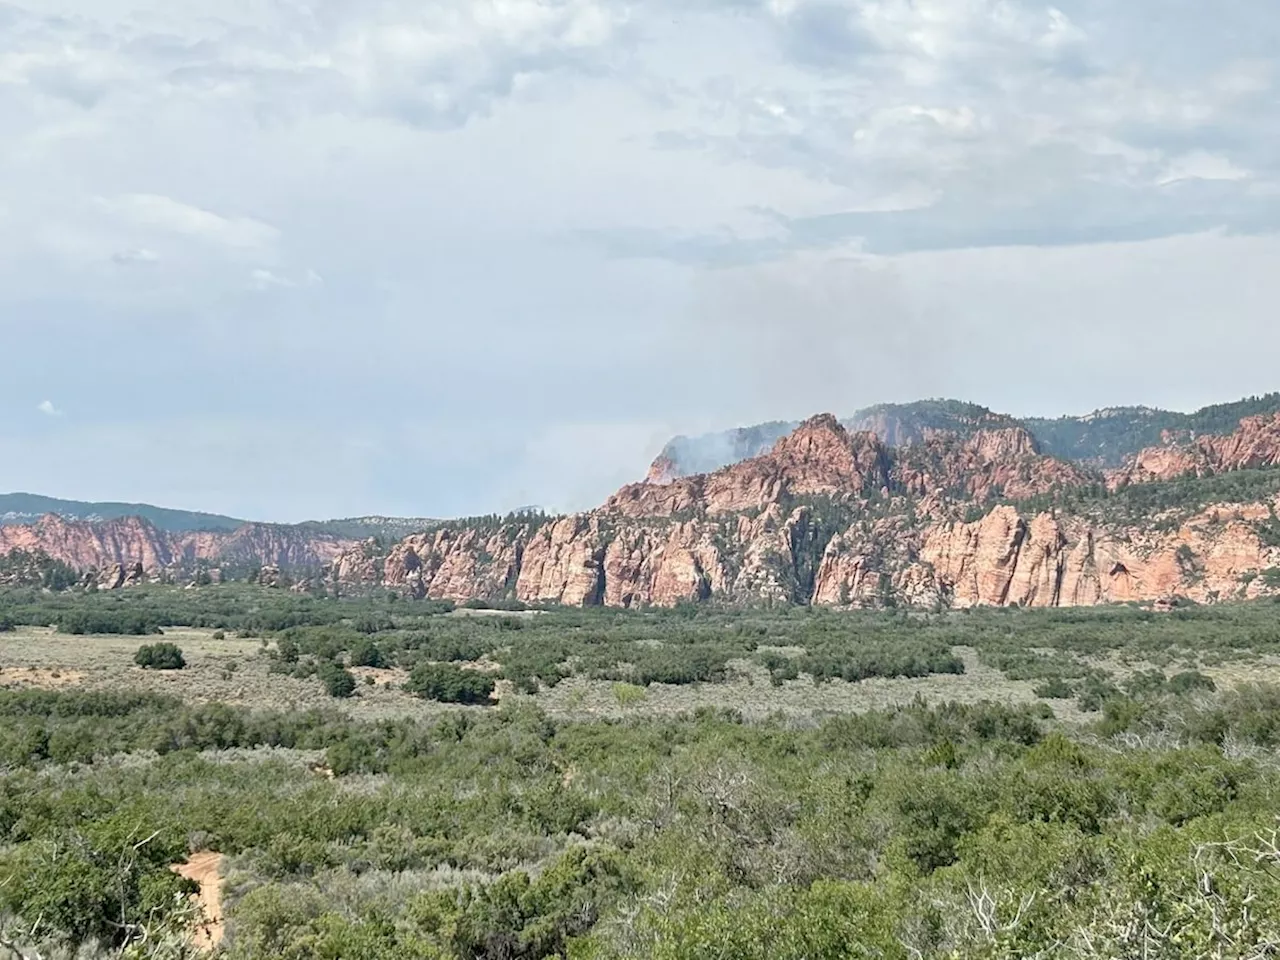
(205,868)
(42,678)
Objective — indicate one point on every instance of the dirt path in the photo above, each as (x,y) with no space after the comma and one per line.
(205,868)
(39,677)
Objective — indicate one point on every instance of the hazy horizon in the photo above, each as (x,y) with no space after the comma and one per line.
(638,473)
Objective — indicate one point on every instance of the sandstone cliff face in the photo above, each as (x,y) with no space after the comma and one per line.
(87,545)
(825,516)
(745,533)
(265,543)
(895,425)
(820,458)
(451,564)
(837,518)
(1005,462)
(903,425)
(1043,561)
(1256,444)
(662,470)
(119,548)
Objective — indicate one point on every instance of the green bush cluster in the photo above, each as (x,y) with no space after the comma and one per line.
(37,569)
(450,684)
(853,661)
(160,656)
(973,831)
(338,682)
(123,621)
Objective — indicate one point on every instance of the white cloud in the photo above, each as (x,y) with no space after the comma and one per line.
(265,280)
(488,186)
(48,409)
(1201,165)
(165,214)
(440,63)
(436,64)
(138,255)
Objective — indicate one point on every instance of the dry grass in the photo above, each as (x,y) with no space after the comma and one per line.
(235,671)
(230,670)
(1261,670)
(39,678)
(751,691)
(1247,668)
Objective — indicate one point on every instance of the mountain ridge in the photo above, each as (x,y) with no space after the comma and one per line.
(968,507)
(28,508)
(834,518)
(1103,438)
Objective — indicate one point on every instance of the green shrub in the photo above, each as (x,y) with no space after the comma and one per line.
(337,681)
(159,656)
(628,694)
(1190,681)
(365,653)
(1055,688)
(117,622)
(848,659)
(781,668)
(449,684)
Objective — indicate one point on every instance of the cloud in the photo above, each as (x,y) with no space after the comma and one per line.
(265,280)
(956,122)
(48,409)
(1201,165)
(752,208)
(438,64)
(140,255)
(166,215)
(434,64)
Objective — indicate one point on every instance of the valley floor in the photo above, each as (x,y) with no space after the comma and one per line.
(379,779)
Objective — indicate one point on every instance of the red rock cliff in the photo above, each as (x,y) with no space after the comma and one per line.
(133,542)
(836,518)
(1255,445)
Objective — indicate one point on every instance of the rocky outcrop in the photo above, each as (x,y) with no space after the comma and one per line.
(688,456)
(1041,561)
(820,458)
(92,545)
(663,470)
(894,424)
(1254,445)
(903,425)
(831,517)
(132,550)
(451,563)
(1003,463)
(954,518)
(1008,559)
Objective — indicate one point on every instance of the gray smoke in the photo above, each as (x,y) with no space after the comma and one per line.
(812,335)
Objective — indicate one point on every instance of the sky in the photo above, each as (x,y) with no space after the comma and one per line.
(284,260)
